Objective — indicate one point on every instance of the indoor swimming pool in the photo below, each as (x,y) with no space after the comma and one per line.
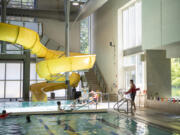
(79,124)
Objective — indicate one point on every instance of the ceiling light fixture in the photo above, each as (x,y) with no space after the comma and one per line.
(75,3)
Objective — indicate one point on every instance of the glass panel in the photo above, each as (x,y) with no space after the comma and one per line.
(1,89)
(12,89)
(28,4)
(139,72)
(13,71)
(129,60)
(16,23)
(40,79)
(60,93)
(32,82)
(138,23)
(33,71)
(129,75)
(175,77)
(32,26)
(48,94)
(2,69)
(125,29)
(132,35)
(21,90)
(40,29)
(21,70)
(132,26)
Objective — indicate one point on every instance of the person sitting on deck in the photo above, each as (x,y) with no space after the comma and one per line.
(4,114)
(94,97)
(132,92)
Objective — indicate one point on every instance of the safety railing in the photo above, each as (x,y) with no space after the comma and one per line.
(101,81)
(123,104)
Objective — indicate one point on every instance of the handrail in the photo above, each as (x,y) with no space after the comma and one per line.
(122,102)
(101,81)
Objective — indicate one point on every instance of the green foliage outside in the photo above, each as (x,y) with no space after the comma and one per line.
(84,36)
(175,76)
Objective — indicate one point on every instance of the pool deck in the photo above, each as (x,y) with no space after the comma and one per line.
(156,117)
(80,108)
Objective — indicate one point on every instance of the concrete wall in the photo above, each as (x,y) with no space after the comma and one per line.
(158,73)
(105,30)
(55,30)
(164,106)
(160,23)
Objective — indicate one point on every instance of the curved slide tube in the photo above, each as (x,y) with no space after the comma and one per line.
(54,64)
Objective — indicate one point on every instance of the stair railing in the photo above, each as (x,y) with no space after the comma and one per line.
(101,81)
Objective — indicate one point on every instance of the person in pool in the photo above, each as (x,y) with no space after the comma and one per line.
(132,92)
(59,106)
(4,114)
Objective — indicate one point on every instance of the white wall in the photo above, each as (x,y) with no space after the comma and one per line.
(105,30)
(160,23)
(55,30)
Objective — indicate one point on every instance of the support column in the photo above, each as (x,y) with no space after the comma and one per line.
(3,19)
(158,74)
(26,75)
(67,13)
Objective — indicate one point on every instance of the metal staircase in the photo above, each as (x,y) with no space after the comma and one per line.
(92,80)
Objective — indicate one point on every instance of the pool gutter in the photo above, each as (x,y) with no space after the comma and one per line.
(59,112)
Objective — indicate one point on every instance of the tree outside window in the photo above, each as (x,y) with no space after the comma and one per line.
(84,36)
(175,77)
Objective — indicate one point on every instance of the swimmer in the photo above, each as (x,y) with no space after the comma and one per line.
(59,105)
(4,114)
(28,119)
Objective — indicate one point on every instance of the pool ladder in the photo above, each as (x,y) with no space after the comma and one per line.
(119,105)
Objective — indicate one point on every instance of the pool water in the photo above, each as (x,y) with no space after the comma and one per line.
(78,124)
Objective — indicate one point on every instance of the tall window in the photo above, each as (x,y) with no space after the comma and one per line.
(85,35)
(34,78)
(175,76)
(11,80)
(11,76)
(134,69)
(28,4)
(17,49)
(132,26)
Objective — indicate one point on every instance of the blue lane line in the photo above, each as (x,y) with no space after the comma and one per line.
(46,127)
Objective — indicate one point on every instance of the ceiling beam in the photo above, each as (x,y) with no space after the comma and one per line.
(90,7)
(48,14)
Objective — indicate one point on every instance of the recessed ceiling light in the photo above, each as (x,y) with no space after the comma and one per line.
(75,3)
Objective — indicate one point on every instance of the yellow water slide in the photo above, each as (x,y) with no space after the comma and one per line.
(55,62)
